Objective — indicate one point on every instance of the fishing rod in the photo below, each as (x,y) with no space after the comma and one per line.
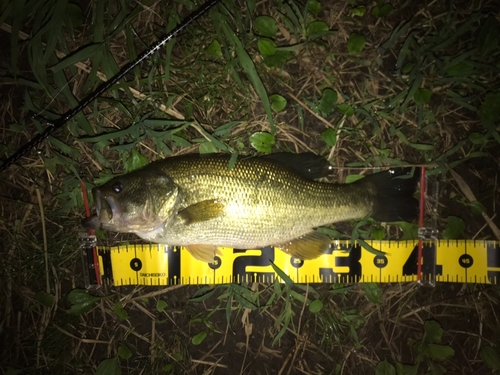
(53,126)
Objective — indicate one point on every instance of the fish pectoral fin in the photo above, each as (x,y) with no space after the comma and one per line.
(202,211)
(205,253)
(308,246)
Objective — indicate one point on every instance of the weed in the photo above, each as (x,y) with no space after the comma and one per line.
(367,85)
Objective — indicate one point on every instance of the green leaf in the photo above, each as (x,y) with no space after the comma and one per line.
(328,102)
(478,138)
(81,301)
(346,109)
(249,68)
(177,357)
(489,111)
(333,233)
(378,232)
(340,288)
(372,292)
(422,96)
(75,14)
(163,123)
(385,368)
(282,275)
(215,141)
(225,130)
(358,11)
(202,294)
(382,11)
(109,367)
(476,207)
(278,59)
(120,311)
(232,161)
(14,371)
(421,147)
(440,352)
(277,102)
(208,148)
(454,228)
(433,332)
(317,28)
(436,369)
(83,54)
(316,306)
(329,137)
(45,298)
(406,69)
(410,230)
(267,47)
(245,303)
(460,69)
(490,357)
(214,49)
(104,176)
(101,234)
(266,26)
(356,44)
(161,305)
(410,369)
(262,141)
(54,32)
(168,368)
(64,147)
(314,7)
(124,352)
(136,161)
(488,36)
(198,339)
(353,177)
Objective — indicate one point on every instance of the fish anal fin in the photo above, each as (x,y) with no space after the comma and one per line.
(306,247)
(205,253)
(202,211)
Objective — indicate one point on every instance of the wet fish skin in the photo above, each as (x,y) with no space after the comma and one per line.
(195,201)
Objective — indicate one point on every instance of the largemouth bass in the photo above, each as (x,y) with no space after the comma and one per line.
(197,202)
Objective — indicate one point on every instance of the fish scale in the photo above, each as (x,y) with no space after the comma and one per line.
(196,201)
(266,203)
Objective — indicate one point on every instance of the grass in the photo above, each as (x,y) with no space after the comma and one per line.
(368,85)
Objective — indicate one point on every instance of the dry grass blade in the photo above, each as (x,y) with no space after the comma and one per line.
(470,196)
(420,92)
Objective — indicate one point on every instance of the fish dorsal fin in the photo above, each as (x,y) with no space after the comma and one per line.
(205,253)
(308,165)
(202,211)
(308,246)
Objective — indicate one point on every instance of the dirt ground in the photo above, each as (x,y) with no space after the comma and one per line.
(254,328)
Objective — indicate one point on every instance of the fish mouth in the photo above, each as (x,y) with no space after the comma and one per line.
(106,207)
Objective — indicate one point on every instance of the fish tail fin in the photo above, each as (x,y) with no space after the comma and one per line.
(394,200)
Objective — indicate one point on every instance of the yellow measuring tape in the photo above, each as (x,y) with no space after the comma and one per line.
(462,261)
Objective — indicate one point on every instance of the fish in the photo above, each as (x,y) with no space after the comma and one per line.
(200,203)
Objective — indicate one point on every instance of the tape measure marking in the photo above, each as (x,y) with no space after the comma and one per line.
(443,261)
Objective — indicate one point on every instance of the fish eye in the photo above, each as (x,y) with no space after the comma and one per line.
(117,187)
